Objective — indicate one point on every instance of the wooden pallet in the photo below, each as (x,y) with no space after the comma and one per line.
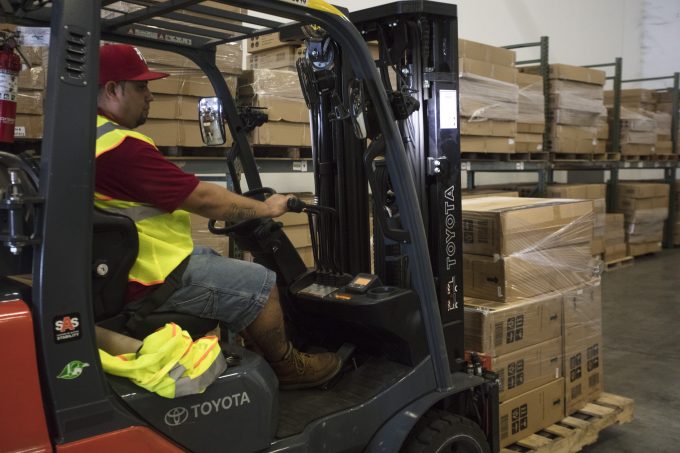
(576,431)
(630,157)
(666,157)
(618,264)
(578,157)
(503,157)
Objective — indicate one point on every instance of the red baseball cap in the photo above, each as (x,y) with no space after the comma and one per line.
(118,62)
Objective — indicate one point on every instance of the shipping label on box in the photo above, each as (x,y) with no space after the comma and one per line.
(531,412)
(582,364)
(526,369)
(506,226)
(495,328)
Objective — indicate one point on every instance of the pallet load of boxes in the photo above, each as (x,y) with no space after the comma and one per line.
(533,306)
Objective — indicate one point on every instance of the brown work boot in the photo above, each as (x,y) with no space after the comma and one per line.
(298,370)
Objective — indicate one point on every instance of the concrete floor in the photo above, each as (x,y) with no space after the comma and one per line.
(641,328)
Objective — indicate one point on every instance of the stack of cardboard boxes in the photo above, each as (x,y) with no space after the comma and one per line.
(531,116)
(664,145)
(278,93)
(530,284)
(173,118)
(523,247)
(638,128)
(269,52)
(645,208)
(595,192)
(576,102)
(614,238)
(31,92)
(488,98)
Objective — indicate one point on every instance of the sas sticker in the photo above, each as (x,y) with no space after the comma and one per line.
(66,327)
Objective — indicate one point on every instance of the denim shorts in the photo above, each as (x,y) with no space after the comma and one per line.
(215,287)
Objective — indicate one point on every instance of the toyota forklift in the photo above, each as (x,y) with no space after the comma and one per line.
(386,289)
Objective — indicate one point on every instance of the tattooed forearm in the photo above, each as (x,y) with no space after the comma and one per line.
(237,214)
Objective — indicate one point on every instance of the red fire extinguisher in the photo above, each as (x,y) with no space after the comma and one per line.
(10,65)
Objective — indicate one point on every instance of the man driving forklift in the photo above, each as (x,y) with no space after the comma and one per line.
(134,179)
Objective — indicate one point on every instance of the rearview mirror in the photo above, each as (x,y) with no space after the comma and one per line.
(211,122)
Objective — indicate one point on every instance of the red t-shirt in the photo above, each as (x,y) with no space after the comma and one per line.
(136,171)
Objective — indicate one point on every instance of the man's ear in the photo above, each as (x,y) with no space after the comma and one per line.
(110,88)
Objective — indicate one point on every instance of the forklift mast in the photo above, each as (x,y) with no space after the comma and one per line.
(417,59)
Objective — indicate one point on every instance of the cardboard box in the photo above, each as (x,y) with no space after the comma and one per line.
(582,365)
(277,58)
(526,369)
(474,144)
(568,72)
(280,108)
(583,304)
(228,59)
(528,274)
(32,78)
(642,190)
(643,248)
(485,52)
(28,126)
(637,149)
(189,83)
(281,133)
(483,193)
(613,252)
(528,143)
(172,106)
(531,128)
(580,191)
(530,412)
(506,226)
(266,42)
(30,102)
(635,204)
(167,132)
(467,66)
(488,128)
(495,328)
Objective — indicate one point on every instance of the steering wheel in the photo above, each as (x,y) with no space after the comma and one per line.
(250,223)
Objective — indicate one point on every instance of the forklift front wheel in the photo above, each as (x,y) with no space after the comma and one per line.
(439,431)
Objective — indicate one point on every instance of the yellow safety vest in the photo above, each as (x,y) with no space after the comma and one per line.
(169,363)
(164,238)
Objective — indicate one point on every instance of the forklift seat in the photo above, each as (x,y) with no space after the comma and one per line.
(114,250)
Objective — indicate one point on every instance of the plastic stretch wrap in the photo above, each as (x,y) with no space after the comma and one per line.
(531,104)
(30,102)
(638,121)
(644,232)
(527,247)
(577,117)
(275,82)
(653,215)
(484,98)
(577,90)
(663,123)
(645,138)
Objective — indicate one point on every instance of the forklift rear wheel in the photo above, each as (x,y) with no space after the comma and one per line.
(439,432)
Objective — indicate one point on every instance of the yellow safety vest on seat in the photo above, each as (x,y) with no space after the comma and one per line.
(164,238)
(169,363)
